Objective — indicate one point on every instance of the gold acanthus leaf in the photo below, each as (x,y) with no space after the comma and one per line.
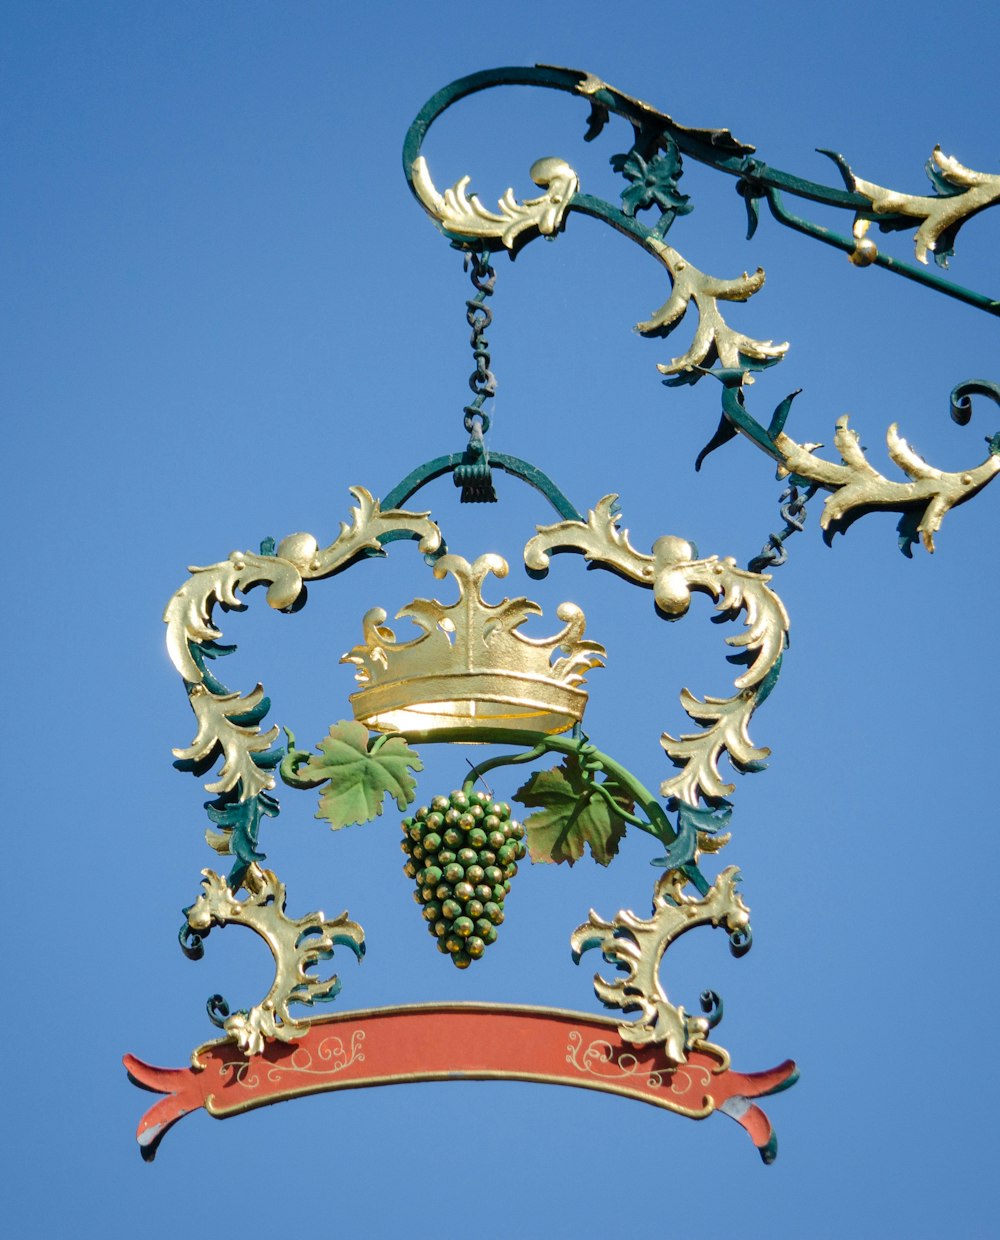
(637,946)
(673,574)
(857,485)
(238,742)
(188,615)
(698,753)
(463,215)
(299,558)
(940,213)
(297,945)
(714,338)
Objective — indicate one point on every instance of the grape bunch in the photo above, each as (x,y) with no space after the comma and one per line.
(462,851)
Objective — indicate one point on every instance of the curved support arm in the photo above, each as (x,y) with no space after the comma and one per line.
(960,192)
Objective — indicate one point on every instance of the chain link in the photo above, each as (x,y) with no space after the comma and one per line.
(792,507)
(474,475)
(479,316)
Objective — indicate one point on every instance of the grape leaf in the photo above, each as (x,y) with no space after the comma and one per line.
(359,777)
(571,815)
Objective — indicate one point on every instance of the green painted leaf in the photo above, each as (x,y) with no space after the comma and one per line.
(359,777)
(572,814)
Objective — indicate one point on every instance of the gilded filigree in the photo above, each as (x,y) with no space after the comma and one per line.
(713,338)
(673,572)
(857,486)
(964,194)
(636,945)
(227,722)
(332,1056)
(188,615)
(462,214)
(220,730)
(297,945)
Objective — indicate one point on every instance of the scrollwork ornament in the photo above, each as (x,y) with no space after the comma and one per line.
(637,945)
(227,722)
(296,945)
(673,572)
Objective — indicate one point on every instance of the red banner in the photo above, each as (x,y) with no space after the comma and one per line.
(448,1042)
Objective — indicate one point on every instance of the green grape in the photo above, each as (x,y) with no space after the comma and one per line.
(462,852)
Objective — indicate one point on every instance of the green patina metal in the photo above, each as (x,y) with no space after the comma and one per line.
(513,465)
(654,164)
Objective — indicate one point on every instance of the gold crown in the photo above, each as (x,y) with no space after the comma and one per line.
(471,668)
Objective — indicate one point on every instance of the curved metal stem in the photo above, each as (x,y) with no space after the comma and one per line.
(658,826)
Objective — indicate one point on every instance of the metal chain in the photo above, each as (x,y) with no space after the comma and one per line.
(479,316)
(474,475)
(793,509)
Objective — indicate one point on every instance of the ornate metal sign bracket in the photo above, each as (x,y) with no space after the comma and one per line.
(468,673)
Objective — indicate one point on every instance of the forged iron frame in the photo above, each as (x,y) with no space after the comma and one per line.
(228,721)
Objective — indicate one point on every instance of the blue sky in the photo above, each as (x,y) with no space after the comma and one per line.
(221,309)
